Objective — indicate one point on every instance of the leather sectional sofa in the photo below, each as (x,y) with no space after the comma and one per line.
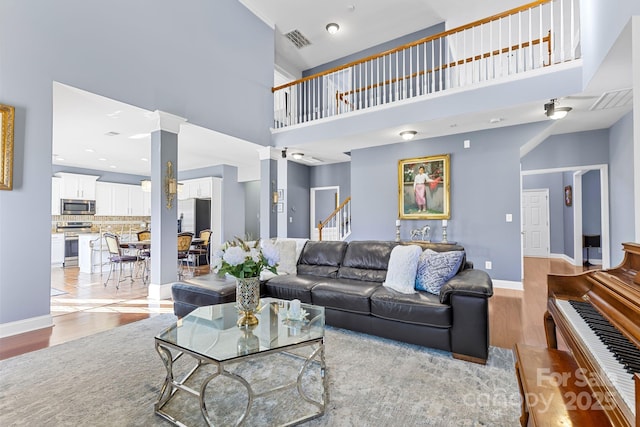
(347,279)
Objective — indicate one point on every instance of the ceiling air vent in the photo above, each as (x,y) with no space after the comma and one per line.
(297,39)
(112,133)
(613,99)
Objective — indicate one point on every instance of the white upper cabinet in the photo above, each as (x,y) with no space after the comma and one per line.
(75,186)
(195,189)
(122,200)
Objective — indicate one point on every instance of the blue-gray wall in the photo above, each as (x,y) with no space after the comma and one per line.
(485,186)
(202,60)
(233,209)
(335,174)
(252,209)
(567,179)
(591,204)
(298,200)
(605,21)
(621,219)
(552,182)
(569,149)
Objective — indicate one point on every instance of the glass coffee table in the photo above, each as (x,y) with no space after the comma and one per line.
(210,339)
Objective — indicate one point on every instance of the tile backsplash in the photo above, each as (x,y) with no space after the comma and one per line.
(115,224)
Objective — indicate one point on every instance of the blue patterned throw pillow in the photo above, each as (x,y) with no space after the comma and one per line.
(437,268)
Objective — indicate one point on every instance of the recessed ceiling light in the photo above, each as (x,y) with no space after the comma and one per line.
(89,150)
(102,159)
(60,159)
(144,159)
(114,115)
(496,120)
(112,166)
(139,135)
(408,134)
(333,28)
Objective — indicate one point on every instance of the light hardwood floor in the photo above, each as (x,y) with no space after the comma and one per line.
(88,307)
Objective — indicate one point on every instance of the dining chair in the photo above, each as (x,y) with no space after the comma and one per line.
(184,245)
(144,253)
(202,248)
(117,257)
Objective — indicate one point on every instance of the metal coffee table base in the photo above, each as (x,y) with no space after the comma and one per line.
(171,385)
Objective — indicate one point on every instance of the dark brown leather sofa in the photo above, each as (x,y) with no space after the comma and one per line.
(346,279)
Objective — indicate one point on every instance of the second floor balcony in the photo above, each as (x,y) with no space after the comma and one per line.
(540,35)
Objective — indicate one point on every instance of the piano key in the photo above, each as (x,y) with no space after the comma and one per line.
(612,368)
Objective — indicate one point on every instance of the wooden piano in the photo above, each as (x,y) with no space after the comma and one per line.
(598,316)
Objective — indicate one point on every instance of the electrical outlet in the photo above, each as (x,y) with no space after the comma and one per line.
(487,265)
(467,143)
(509,218)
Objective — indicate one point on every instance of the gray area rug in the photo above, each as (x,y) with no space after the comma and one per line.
(113,378)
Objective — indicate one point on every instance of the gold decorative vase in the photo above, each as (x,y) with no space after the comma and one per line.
(247,299)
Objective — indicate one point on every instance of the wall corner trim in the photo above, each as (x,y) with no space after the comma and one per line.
(166,121)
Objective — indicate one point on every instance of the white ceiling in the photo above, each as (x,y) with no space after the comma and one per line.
(82,120)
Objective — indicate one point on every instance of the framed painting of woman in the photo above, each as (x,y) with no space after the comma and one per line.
(423,187)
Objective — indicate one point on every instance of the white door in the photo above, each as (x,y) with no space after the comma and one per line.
(535,223)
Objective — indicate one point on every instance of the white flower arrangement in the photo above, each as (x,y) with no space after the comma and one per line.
(241,259)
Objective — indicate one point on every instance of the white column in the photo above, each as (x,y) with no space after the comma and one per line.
(164,204)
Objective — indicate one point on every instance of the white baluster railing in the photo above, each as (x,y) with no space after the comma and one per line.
(538,34)
(337,226)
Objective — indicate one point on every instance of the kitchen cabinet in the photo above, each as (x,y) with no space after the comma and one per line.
(55,195)
(113,199)
(57,249)
(195,189)
(76,186)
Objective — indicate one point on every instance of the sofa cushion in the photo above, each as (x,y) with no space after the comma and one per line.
(321,258)
(366,261)
(437,268)
(344,294)
(291,287)
(403,264)
(421,308)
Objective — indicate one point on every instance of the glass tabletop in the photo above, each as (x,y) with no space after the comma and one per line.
(211,331)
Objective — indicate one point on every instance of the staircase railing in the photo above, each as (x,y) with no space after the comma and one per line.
(337,226)
(529,37)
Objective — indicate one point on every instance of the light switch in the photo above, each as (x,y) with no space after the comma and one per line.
(509,217)
(467,143)
(290,219)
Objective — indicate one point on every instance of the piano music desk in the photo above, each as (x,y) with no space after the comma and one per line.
(551,393)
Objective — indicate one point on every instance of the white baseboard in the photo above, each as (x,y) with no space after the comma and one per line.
(563,257)
(25,325)
(508,284)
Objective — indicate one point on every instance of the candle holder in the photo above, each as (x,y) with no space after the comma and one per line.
(444,234)
(398,231)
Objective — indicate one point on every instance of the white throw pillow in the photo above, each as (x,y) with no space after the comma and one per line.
(403,265)
(287,249)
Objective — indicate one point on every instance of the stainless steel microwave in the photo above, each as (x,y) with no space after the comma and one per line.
(77,207)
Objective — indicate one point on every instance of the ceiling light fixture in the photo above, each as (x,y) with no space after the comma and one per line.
(554,112)
(333,28)
(297,156)
(408,134)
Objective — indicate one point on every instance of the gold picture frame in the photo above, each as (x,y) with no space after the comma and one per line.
(6,146)
(424,187)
